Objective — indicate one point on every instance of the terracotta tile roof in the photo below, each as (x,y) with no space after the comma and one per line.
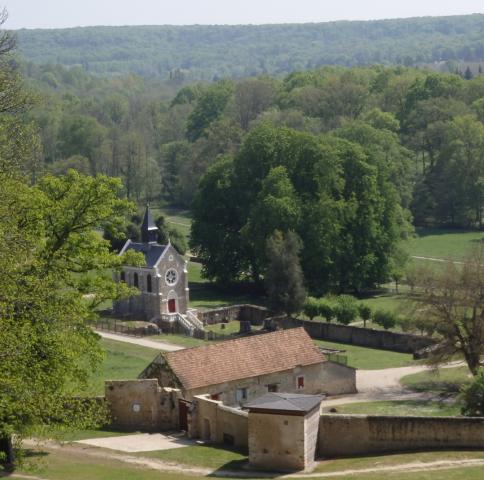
(243,358)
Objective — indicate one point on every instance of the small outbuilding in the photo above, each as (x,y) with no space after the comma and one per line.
(283,431)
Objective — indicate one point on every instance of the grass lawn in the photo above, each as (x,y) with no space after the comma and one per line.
(123,361)
(213,456)
(208,296)
(436,243)
(62,465)
(420,408)
(377,461)
(176,339)
(442,381)
(370,358)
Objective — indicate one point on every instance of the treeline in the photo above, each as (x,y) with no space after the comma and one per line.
(346,158)
(426,127)
(199,52)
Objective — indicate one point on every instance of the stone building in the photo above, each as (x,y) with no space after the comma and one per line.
(240,370)
(162,281)
(283,431)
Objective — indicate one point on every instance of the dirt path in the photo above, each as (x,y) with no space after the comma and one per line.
(142,342)
(404,467)
(441,260)
(374,385)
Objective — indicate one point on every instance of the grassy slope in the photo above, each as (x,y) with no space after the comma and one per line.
(205,456)
(451,244)
(444,380)
(123,361)
(59,465)
(419,408)
(370,358)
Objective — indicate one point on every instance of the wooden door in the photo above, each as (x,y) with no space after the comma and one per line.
(172,305)
(183,414)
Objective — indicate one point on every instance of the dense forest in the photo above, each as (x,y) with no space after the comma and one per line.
(348,158)
(199,52)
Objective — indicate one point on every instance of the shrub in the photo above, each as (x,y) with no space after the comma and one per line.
(311,307)
(364,312)
(385,319)
(346,309)
(326,310)
(473,397)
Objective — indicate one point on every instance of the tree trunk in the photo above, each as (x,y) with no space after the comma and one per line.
(6,447)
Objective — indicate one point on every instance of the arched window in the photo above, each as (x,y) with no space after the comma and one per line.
(148,283)
(136,280)
(123,277)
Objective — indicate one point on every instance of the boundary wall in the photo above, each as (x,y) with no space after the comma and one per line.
(362,337)
(350,435)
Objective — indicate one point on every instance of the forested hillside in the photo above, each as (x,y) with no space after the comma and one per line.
(208,52)
(348,158)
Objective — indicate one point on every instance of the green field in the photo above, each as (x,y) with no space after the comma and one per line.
(87,464)
(123,361)
(205,456)
(446,244)
(442,381)
(370,358)
(418,408)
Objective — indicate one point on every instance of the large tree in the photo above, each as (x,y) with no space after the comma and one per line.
(53,266)
(452,301)
(284,277)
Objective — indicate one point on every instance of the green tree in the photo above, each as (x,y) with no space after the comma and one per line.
(473,397)
(385,319)
(326,310)
(284,278)
(346,309)
(311,308)
(364,311)
(53,279)
(210,105)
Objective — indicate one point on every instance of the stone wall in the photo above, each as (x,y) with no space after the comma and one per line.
(212,421)
(142,405)
(250,313)
(326,377)
(349,435)
(363,337)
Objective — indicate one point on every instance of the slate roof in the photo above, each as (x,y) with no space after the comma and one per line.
(245,357)
(285,402)
(151,251)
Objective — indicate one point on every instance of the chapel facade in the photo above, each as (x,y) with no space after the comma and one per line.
(162,281)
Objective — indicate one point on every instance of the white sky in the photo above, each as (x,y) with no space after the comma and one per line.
(71,13)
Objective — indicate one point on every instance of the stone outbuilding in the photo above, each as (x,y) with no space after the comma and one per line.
(283,431)
(243,369)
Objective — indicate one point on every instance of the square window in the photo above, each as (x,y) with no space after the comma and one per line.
(300,382)
(273,388)
(241,394)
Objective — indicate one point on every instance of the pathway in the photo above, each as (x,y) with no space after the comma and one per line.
(374,385)
(142,342)
(442,260)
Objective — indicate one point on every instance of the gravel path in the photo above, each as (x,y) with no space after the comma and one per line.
(374,385)
(142,342)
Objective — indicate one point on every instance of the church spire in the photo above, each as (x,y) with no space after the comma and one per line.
(149,230)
